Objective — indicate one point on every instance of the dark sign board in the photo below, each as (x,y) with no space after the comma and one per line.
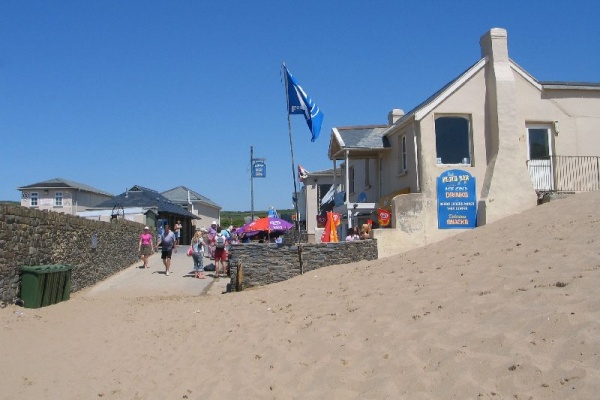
(457,202)
(259,169)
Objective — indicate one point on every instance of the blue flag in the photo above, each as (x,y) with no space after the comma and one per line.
(300,103)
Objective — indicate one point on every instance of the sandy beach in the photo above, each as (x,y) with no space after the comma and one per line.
(510,310)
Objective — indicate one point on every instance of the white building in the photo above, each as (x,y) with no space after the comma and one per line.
(518,137)
(61,195)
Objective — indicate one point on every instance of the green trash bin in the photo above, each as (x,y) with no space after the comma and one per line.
(66,294)
(33,281)
(45,285)
(50,287)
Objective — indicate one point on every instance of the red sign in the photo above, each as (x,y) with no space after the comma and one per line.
(384,217)
(321,221)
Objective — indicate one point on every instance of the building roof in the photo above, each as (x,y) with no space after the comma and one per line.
(107,212)
(60,183)
(139,196)
(366,140)
(179,195)
(325,172)
(570,85)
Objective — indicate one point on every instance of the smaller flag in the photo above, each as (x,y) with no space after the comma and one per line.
(330,232)
(337,218)
(326,236)
(300,103)
(335,222)
(302,173)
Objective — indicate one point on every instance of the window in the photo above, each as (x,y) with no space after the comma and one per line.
(538,142)
(58,199)
(325,198)
(351,180)
(452,140)
(33,199)
(367,173)
(402,162)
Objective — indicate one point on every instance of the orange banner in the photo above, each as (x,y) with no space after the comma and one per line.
(330,232)
(337,218)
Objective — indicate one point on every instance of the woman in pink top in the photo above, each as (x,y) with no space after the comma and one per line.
(145,246)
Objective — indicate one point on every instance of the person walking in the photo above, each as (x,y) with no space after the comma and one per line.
(204,233)
(198,255)
(178,227)
(212,231)
(145,246)
(168,243)
(220,252)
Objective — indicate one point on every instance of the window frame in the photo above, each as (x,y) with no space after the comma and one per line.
(402,155)
(547,136)
(34,197)
(367,173)
(58,199)
(466,161)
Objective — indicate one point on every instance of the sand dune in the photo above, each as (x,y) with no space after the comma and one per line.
(510,310)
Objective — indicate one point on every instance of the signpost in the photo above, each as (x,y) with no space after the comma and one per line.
(457,201)
(258,169)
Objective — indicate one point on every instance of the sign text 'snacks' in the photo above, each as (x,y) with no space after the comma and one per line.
(456,200)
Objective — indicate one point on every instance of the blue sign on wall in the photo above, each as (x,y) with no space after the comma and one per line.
(259,169)
(457,202)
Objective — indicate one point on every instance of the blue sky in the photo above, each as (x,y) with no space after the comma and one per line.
(166,93)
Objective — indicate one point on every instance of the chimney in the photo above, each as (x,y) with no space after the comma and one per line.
(395,115)
(494,44)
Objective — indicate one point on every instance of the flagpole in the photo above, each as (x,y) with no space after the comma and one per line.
(251,184)
(295,198)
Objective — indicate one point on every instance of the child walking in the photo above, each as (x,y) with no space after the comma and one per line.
(198,255)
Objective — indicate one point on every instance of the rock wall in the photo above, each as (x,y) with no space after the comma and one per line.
(266,263)
(30,237)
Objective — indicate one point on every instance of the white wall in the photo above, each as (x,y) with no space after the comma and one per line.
(73,200)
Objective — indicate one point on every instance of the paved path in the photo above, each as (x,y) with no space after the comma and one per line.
(135,281)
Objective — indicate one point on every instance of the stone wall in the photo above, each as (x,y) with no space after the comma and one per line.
(294,236)
(265,263)
(31,237)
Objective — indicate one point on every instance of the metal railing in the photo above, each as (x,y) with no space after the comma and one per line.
(565,173)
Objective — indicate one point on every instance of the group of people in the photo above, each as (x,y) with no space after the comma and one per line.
(168,242)
(219,242)
(215,239)
(359,234)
